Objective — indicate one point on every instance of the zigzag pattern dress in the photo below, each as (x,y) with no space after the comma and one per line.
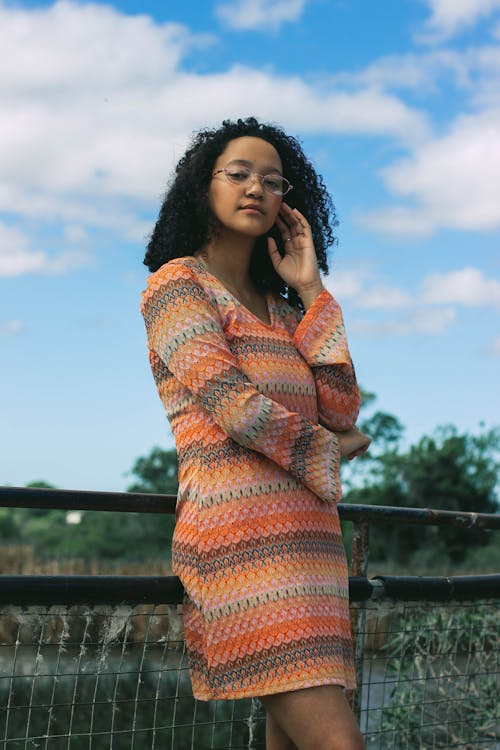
(257,541)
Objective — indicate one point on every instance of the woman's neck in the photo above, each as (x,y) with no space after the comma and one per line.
(228,259)
(230,264)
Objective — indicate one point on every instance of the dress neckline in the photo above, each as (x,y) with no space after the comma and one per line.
(268,296)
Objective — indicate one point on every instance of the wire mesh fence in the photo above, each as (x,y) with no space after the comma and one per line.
(114,674)
(430,675)
(117,677)
(108,677)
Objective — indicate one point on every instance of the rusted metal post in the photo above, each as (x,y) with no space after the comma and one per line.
(358,567)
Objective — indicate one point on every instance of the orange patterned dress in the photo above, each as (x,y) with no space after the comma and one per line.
(257,541)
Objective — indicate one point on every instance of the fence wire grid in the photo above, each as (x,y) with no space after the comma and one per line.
(114,675)
(117,677)
(107,677)
(430,675)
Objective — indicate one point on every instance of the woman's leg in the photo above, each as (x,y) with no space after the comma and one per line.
(276,739)
(317,718)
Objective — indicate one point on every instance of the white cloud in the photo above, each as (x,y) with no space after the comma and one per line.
(468,286)
(448,17)
(17,258)
(259,15)
(484,84)
(385,297)
(395,220)
(425,320)
(448,180)
(414,71)
(474,71)
(79,98)
(495,347)
(86,114)
(96,109)
(429,321)
(346,283)
(289,100)
(65,262)
(74,233)
(429,309)
(355,285)
(452,181)
(11,327)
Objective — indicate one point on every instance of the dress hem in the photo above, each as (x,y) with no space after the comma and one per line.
(300,685)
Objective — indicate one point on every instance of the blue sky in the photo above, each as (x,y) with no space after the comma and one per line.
(398,105)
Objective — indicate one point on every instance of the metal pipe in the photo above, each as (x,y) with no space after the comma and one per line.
(434,588)
(424,516)
(137,502)
(48,590)
(358,569)
(118,502)
(97,589)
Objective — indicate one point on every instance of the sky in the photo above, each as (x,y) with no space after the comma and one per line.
(397,103)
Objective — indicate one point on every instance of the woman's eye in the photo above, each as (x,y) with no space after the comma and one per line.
(274,183)
(238,175)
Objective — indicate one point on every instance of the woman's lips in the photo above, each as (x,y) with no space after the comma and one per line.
(252,208)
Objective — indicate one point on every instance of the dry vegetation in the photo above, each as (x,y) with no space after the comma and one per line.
(20,560)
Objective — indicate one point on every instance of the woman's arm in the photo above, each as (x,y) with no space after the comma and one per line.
(184,330)
(320,338)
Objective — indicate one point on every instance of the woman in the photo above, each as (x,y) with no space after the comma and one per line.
(251,362)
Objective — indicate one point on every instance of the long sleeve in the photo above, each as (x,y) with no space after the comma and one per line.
(320,338)
(184,330)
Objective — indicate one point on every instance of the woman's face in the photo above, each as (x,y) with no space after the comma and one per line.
(248,208)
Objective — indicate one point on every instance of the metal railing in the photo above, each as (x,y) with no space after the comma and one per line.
(99,661)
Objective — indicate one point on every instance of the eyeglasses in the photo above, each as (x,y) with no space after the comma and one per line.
(238,174)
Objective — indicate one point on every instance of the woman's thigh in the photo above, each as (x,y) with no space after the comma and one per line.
(317,718)
(276,739)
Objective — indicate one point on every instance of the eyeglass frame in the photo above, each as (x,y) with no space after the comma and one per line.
(261,178)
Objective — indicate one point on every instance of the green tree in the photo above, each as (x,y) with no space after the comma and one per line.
(41,484)
(17,525)
(449,471)
(386,432)
(121,536)
(156,473)
(30,514)
(10,528)
(102,535)
(44,528)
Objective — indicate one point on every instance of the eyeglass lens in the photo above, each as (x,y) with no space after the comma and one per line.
(275,183)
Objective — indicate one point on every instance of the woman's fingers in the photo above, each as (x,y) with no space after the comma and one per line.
(357,452)
(294,219)
(283,228)
(297,264)
(274,253)
(352,442)
(293,228)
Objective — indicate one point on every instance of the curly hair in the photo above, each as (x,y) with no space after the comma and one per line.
(186,222)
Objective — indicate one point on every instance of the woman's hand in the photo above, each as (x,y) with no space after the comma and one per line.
(352,443)
(299,266)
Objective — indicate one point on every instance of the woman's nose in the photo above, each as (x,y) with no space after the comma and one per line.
(254,185)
